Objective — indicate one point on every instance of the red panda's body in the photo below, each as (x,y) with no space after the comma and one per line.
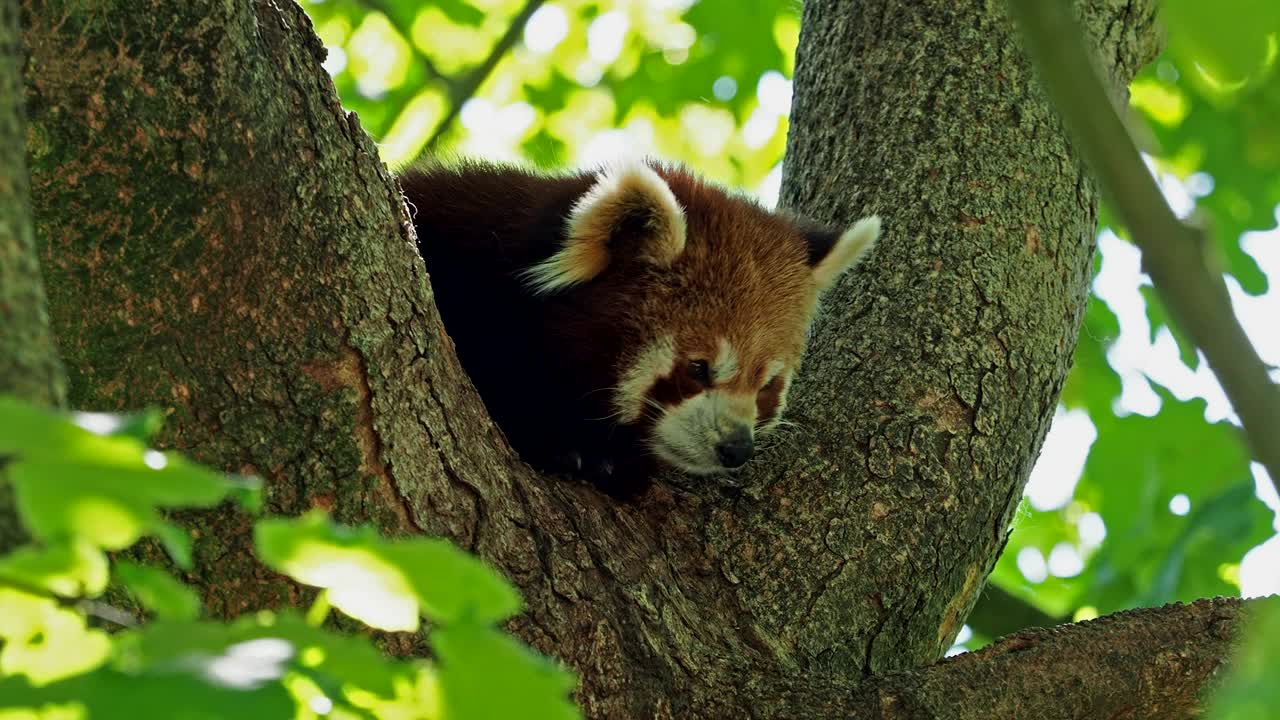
(615,319)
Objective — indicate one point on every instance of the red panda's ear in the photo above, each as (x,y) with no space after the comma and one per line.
(831,253)
(629,212)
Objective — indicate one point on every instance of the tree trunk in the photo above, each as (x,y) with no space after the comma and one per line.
(29,367)
(934,375)
(222,241)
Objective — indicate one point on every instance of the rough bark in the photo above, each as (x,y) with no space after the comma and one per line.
(1138,664)
(1149,664)
(936,371)
(222,241)
(29,367)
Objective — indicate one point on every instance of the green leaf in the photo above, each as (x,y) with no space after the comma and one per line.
(1250,690)
(1230,42)
(458,11)
(1042,530)
(72,569)
(199,691)
(45,641)
(1092,384)
(386,584)
(141,426)
(472,657)
(1134,468)
(544,150)
(33,433)
(1158,317)
(1222,521)
(109,505)
(1232,140)
(734,38)
(177,542)
(335,659)
(72,483)
(158,591)
(1229,523)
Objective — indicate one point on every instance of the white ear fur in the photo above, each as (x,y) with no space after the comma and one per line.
(852,245)
(628,197)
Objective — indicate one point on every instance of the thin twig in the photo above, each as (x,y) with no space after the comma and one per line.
(93,608)
(471,83)
(1174,254)
(110,613)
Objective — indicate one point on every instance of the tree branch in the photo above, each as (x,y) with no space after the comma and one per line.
(470,84)
(1148,664)
(1151,663)
(1174,254)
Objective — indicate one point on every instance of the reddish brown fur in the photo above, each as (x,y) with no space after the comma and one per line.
(744,271)
(547,367)
(768,399)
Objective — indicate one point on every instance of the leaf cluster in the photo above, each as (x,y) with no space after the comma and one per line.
(87,484)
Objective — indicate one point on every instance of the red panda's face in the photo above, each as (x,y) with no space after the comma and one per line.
(717,295)
(703,406)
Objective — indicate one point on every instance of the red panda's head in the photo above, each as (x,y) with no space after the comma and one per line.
(712,296)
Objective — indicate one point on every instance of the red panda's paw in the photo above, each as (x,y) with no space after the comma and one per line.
(622,481)
(567,462)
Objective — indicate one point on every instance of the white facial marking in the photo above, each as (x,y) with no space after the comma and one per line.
(726,363)
(686,435)
(772,369)
(652,363)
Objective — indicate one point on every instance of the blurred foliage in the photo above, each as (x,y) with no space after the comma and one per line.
(1207,113)
(705,82)
(1251,692)
(87,484)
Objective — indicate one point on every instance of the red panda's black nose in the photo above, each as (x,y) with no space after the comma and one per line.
(735,449)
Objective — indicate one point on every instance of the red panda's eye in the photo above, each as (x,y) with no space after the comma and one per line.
(700,371)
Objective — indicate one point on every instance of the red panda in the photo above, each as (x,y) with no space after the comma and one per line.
(621,319)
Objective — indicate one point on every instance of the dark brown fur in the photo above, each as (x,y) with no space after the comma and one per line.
(548,366)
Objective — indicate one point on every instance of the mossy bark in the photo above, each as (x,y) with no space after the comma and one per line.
(936,370)
(29,366)
(222,241)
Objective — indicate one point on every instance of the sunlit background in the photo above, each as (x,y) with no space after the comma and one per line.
(1143,494)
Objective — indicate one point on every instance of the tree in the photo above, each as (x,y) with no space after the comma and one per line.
(29,366)
(221,240)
